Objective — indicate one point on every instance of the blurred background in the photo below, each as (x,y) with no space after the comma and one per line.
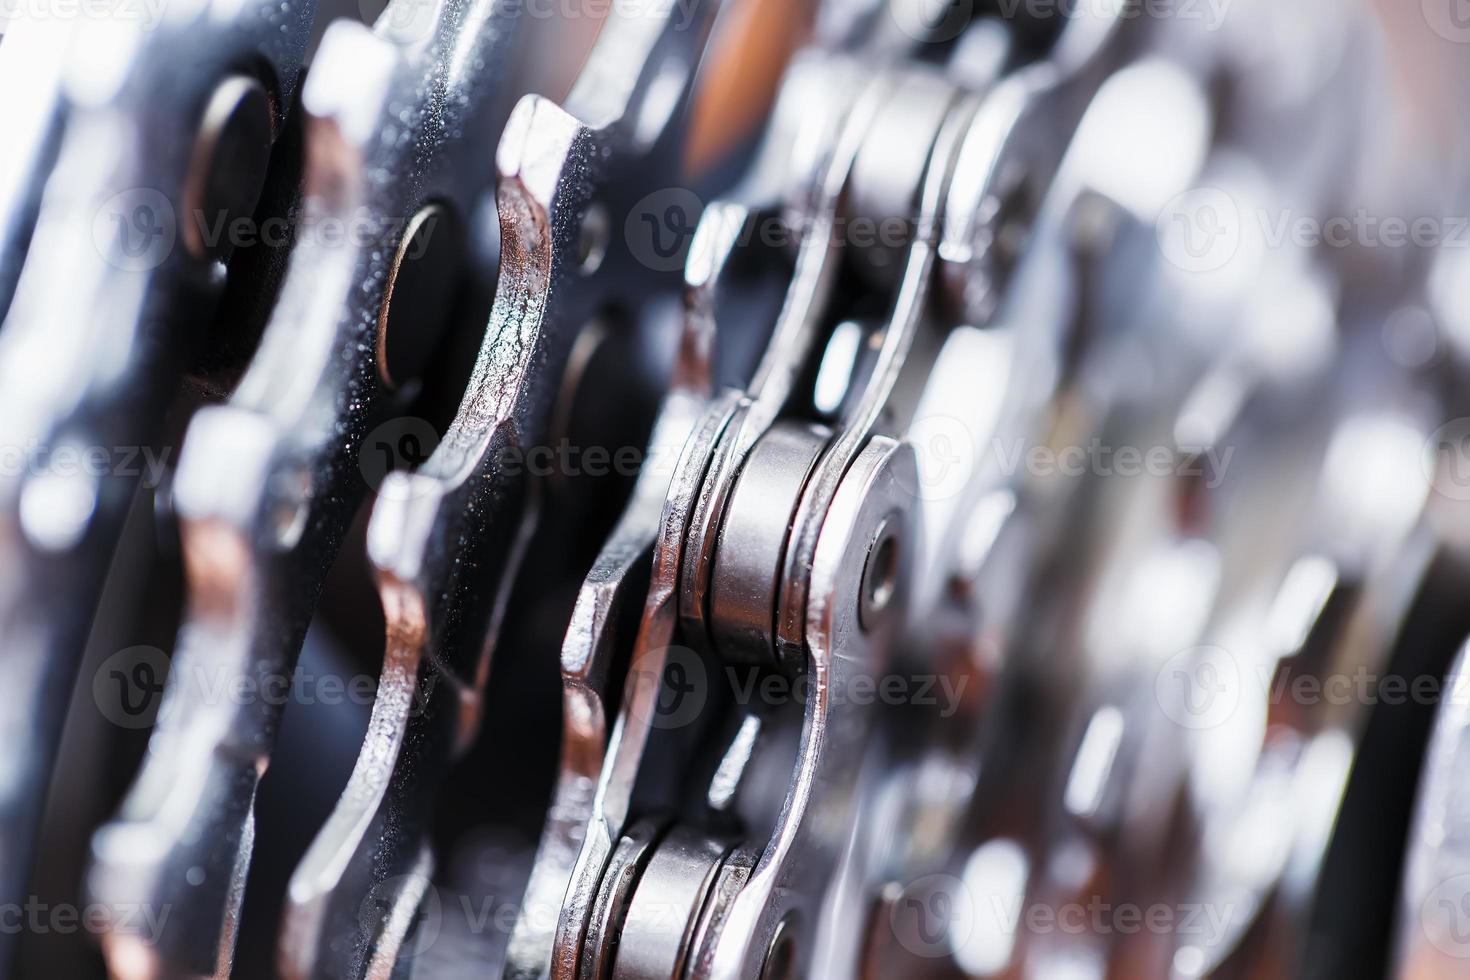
(1264,228)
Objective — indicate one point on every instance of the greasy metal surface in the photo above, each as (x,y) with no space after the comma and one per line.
(658,928)
(33,58)
(605,597)
(734,516)
(879,647)
(908,318)
(745,577)
(794,336)
(101,324)
(593,833)
(793,873)
(1436,872)
(445,539)
(269,482)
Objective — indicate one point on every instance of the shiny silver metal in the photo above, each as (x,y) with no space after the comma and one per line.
(746,576)
(269,482)
(446,538)
(790,881)
(985,521)
(791,344)
(105,316)
(681,431)
(33,60)
(657,930)
(1429,939)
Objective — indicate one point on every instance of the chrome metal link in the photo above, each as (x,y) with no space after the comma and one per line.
(1031,541)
